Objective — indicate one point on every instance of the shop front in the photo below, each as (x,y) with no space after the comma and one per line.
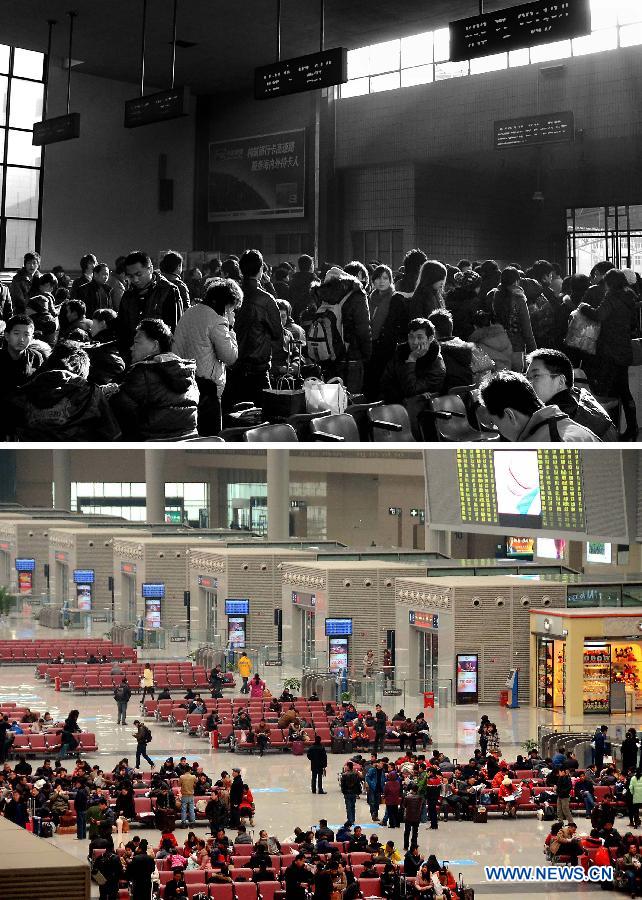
(587,662)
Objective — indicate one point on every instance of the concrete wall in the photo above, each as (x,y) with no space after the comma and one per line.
(101,191)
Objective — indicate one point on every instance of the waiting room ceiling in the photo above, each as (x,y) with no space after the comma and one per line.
(230,37)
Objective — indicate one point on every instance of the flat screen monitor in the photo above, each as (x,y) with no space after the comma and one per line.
(153,612)
(598,552)
(237,607)
(84,576)
(25,565)
(467,678)
(83,596)
(154,591)
(236,632)
(338,627)
(550,548)
(520,547)
(338,654)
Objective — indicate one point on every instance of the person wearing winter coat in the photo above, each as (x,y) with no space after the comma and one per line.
(457,354)
(417,366)
(346,293)
(206,334)
(25,283)
(392,795)
(388,310)
(158,398)
(463,302)
(149,296)
(429,292)
(492,339)
(520,415)
(96,294)
(301,284)
(629,751)
(412,263)
(106,365)
(59,404)
(42,306)
(551,374)
(507,304)
(613,355)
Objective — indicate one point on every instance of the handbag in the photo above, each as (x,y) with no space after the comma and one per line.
(582,333)
(481,362)
(283,400)
(321,395)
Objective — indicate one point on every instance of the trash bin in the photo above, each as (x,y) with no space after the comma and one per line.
(444,696)
(429,700)
(57,683)
(503,698)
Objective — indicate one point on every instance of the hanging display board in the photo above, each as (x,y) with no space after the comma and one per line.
(303,73)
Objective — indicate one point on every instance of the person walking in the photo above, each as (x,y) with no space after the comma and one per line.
(122,695)
(147,683)
(411,805)
(318,764)
(351,789)
(187,782)
(600,746)
(143,737)
(81,805)
(245,670)
(564,789)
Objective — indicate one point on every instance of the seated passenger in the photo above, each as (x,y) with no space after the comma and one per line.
(158,397)
(457,354)
(417,367)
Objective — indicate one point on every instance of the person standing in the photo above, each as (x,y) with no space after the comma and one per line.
(375,779)
(600,747)
(110,866)
(318,764)
(392,796)
(187,782)
(143,736)
(81,804)
(122,695)
(388,667)
(564,789)
(245,670)
(351,789)
(139,873)
(411,805)
(380,726)
(635,789)
(236,795)
(368,664)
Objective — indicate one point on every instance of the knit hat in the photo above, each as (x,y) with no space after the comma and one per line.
(433,271)
(468,281)
(506,781)
(334,272)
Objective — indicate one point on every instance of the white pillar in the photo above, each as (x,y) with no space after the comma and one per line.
(438,541)
(278,494)
(62,479)
(155,486)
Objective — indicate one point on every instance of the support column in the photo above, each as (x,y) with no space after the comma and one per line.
(438,541)
(574,668)
(155,486)
(278,494)
(62,479)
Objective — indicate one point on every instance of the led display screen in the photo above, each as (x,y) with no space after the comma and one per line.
(338,627)
(237,607)
(154,591)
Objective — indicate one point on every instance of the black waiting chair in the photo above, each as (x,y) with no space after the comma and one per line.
(266,434)
(336,428)
(390,423)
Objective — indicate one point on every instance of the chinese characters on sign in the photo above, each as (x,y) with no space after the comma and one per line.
(561,487)
(477,495)
(547,129)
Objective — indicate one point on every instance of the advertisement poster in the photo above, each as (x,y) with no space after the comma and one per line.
(236,632)
(520,547)
(152,612)
(467,670)
(597,552)
(260,177)
(83,593)
(338,654)
(25,582)
(517,482)
(551,548)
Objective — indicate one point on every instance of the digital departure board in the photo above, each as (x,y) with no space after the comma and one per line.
(338,627)
(51,131)
(553,128)
(303,73)
(237,607)
(156,107)
(521,488)
(84,576)
(25,565)
(526,25)
(154,591)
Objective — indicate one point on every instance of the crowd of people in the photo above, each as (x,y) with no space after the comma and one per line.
(138,353)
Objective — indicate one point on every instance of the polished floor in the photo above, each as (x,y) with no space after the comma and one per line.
(280,782)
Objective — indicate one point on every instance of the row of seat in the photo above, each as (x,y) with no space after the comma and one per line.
(37,651)
(49,742)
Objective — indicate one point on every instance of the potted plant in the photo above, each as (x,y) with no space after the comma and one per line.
(345,697)
(530,744)
(7,600)
(292,684)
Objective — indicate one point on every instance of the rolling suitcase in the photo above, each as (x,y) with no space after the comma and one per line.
(464,892)
(297,748)
(481,814)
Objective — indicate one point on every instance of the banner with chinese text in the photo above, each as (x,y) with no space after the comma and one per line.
(261,177)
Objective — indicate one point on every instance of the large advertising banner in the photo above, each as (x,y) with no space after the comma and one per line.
(25,582)
(83,595)
(236,632)
(467,681)
(260,177)
(338,654)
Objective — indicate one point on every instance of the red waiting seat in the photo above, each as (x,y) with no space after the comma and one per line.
(246,891)
(241,873)
(88,742)
(370,887)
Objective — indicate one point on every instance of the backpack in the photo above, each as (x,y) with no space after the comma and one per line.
(591,415)
(148,735)
(324,335)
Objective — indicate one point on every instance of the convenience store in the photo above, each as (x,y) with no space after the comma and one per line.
(586,661)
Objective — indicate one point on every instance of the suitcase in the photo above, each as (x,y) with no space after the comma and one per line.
(47,829)
(297,748)
(481,814)
(464,892)
(338,745)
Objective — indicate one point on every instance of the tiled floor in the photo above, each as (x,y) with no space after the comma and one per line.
(280,782)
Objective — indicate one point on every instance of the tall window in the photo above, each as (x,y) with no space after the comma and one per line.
(21,96)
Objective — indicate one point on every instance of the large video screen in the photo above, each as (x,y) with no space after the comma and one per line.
(521,488)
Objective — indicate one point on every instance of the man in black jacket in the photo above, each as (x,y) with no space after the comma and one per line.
(236,795)
(564,790)
(351,789)
(149,296)
(106,365)
(258,324)
(81,805)
(297,875)
(122,696)
(318,764)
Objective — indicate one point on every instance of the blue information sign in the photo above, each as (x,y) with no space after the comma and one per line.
(154,591)
(237,607)
(338,627)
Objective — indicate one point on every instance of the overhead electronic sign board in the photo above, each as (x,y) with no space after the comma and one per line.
(303,73)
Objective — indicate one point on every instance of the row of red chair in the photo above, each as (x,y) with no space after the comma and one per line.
(49,742)
(36,651)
